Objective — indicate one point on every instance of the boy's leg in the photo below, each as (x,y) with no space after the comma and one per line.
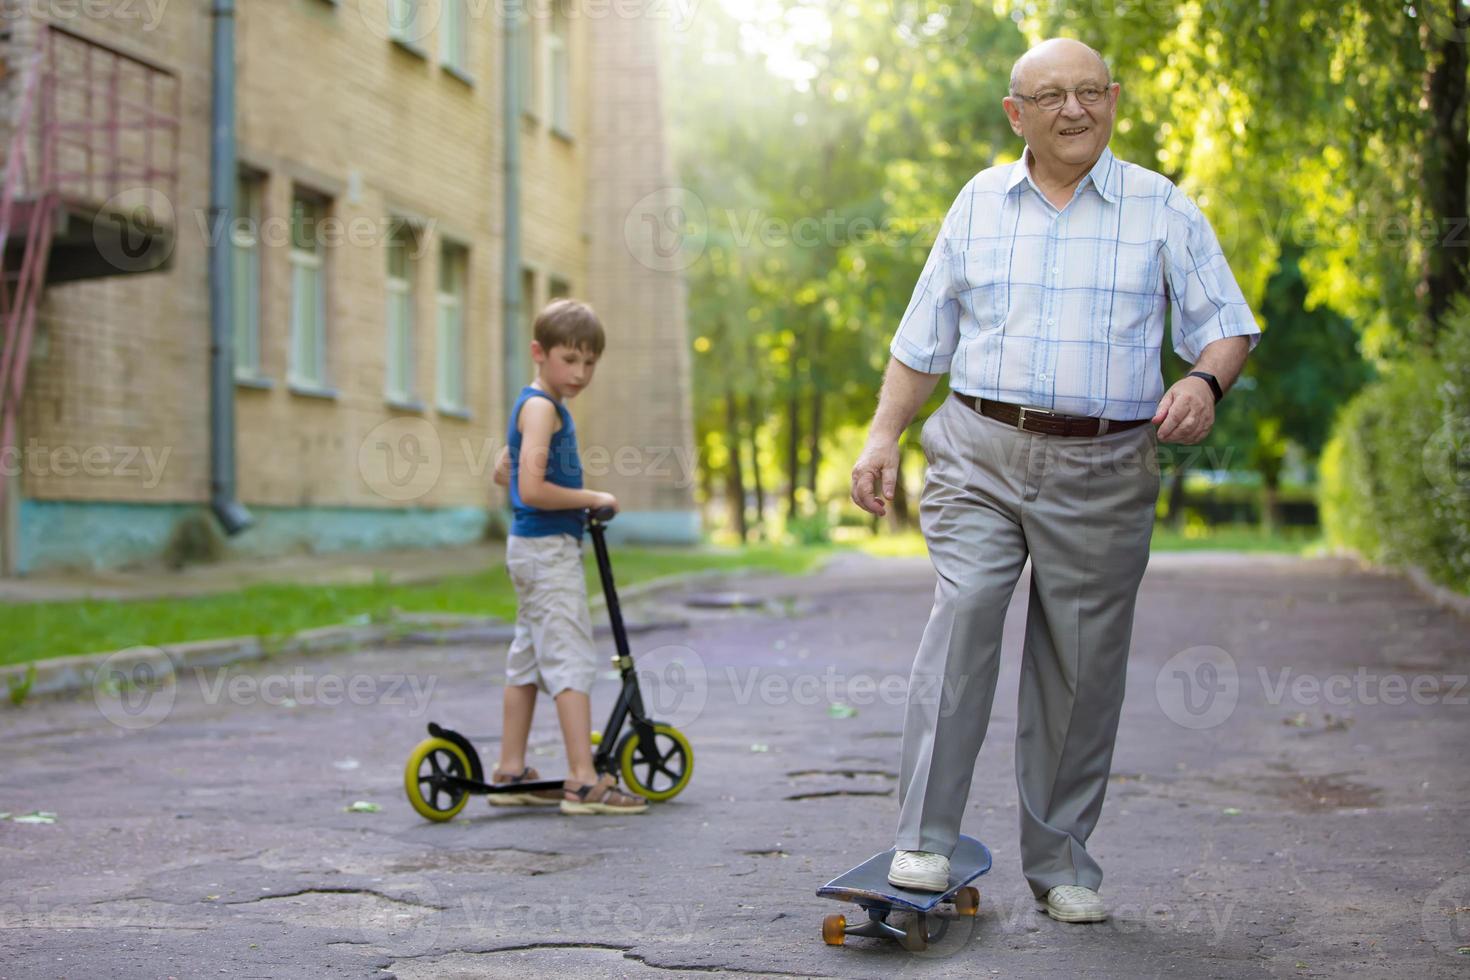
(574,709)
(518,708)
(561,636)
(522,677)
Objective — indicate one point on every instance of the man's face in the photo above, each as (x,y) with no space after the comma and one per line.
(1071,135)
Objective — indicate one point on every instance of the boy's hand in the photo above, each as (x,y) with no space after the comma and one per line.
(601,499)
(502,467)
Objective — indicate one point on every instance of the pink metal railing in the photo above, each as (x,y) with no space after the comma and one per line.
(85,129)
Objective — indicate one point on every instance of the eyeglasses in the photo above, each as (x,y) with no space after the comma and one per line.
(1054,98)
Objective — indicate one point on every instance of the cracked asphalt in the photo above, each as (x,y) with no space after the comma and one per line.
(1289,799)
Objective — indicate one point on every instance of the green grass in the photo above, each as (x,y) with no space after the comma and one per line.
(35,631)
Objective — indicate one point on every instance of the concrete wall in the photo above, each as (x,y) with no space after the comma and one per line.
(325,101)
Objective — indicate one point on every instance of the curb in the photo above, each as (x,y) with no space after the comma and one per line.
(62,675)
(80,672)
(1442,597)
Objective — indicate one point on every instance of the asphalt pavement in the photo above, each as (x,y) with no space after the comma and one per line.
(1290,797)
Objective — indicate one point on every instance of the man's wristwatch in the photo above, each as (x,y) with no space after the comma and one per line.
(1210,380)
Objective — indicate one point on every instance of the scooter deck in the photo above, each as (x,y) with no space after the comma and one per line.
(867,884)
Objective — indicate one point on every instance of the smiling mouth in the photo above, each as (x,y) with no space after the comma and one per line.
(1075,132)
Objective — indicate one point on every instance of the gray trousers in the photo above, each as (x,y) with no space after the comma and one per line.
(1082,508)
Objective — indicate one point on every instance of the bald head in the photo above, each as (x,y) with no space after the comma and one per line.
(1055,52)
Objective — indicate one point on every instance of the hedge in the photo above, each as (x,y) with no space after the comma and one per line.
(1395,475)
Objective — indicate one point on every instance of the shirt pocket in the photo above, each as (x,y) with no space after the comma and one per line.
(980,278)
(1138,271)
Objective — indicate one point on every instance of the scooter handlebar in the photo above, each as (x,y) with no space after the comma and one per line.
(602,514)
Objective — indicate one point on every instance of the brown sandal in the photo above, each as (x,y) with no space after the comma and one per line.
(535,797)
(602,796)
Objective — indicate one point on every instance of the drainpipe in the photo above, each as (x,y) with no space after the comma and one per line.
(232,515)
(512,344)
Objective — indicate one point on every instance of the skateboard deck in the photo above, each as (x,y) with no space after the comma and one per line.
(867,886)
(868,882)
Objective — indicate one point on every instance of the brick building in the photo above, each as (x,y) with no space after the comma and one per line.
(380,208)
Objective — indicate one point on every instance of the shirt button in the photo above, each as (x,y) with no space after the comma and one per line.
(1041,377)
(1056,270)
(1052,322)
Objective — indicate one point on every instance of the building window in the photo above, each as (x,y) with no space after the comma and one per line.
(526,55)
(557,288)
(451,304)
(406,21)
(401,359)
(308,293)
(559,68)
(454,36)
(245,240)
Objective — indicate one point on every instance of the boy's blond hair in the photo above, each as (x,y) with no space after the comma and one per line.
(569,323)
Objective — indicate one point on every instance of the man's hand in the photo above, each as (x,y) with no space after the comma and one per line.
(1187,412)
(877,465)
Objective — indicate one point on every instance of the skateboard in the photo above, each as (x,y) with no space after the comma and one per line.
(867,886)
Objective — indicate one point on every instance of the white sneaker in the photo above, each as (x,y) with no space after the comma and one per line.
(922,871)
(1074,903)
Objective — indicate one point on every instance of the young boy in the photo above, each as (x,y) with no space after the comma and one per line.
(552,650)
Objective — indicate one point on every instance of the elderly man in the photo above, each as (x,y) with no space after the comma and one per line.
(1043,299)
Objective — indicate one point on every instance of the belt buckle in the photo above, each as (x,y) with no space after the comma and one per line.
(1021,419)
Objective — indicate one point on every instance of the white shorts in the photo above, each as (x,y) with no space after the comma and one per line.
(553,646)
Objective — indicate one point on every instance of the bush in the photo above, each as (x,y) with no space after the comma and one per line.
(1395,476)
(810,529)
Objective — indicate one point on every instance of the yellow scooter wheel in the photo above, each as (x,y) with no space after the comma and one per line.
(429,762)
(658,772)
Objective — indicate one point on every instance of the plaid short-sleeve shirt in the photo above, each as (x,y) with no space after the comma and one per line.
(1064,310)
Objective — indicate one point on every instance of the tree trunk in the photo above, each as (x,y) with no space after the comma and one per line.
(1271,499)
(1176,497)
(793,455)
(735,480)
(814,441)
(1447,168)
(752,406)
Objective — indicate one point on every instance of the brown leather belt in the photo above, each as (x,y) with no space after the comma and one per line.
(1046,423)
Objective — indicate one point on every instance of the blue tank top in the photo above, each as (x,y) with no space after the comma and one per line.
(563,468)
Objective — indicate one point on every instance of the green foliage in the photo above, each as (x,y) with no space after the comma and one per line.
(810,529)
(1396,473)
(20,687)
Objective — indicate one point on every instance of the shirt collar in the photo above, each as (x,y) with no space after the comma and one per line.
(1102,175)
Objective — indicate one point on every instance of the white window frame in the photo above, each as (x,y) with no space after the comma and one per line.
(449,318)
(403,21)
(559,69)
(526,52)
(245,245)
(454,38)
(399,376)
(308,339)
